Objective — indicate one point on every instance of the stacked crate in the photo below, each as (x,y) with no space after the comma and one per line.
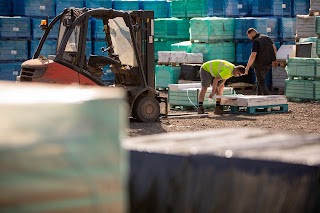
(160,7)
(229,8)
(168,31)
(304,75)
(14,49)
(189,8)
(213,37)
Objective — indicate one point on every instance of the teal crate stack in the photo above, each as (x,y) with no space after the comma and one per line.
(318,34)
(166,75)
(168,31)
(211,29)
(213,37)
(189,8)
(160,7)
(304,79)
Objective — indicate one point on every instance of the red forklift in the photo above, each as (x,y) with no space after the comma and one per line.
(128,51)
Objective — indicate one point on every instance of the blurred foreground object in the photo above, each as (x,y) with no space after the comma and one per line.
(60,148)
(225,170)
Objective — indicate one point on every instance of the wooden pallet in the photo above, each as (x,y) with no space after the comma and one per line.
(280,108)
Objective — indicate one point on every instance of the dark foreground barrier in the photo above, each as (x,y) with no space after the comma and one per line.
(225,170)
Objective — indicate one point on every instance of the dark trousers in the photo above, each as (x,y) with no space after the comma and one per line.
(261,73)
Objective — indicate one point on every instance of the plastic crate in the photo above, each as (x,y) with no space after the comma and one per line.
(287,29)
(262,8)
(282,8)
(241,25)
(165,75)
(221,50)
(231,8)
(62,4)
(267,26)
(98,3)
(211,29)
(182,46)
(126,5)
(5,7)
(171,28)
(96,48)
(108,75)
(301,89)
(306,26)
(9,71)
(163,45)
(189,8)
(15,27)
(160,8)
(98,29)
(34,8)
(243,51)
(300,7)
(303,67)
(14,50)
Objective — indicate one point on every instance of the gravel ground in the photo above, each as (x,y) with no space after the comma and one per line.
(301,118)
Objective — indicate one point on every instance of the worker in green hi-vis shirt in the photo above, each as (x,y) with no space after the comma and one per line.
(215,73)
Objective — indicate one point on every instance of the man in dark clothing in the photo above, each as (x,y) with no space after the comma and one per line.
(263,55)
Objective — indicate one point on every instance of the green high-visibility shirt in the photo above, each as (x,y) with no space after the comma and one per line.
(218,68)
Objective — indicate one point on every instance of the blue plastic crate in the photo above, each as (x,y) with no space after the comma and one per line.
(230,8)
(237,8)
(37,32)
(243,51)
(126,5)
(287,29)
(241,25)
(98,3)
(300,7)
(62,4)
(13,50)
(160,8)
(34,8)
(49,47)
(267,26)
(9,71)
(282,8)
(216,7)
(5,7)
(15,27)
(98,29)
(89,49)
(96,47)
(262,8)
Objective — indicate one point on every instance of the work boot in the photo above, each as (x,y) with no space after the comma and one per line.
(218,110)
(200,110)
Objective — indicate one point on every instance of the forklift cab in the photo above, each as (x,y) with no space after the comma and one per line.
(128,51)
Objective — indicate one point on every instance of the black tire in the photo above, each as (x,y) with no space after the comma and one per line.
(146,109)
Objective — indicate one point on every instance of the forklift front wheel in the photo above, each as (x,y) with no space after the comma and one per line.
(146,109)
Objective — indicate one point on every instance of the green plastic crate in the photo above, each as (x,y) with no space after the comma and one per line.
(301,89)
(163,45)
(171,28)
(182,46)
(316,90)
(221,50)
(165,75)
(318,25)
(303,67)
(318,47)
(189,8)
(189,96)
(212,29)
